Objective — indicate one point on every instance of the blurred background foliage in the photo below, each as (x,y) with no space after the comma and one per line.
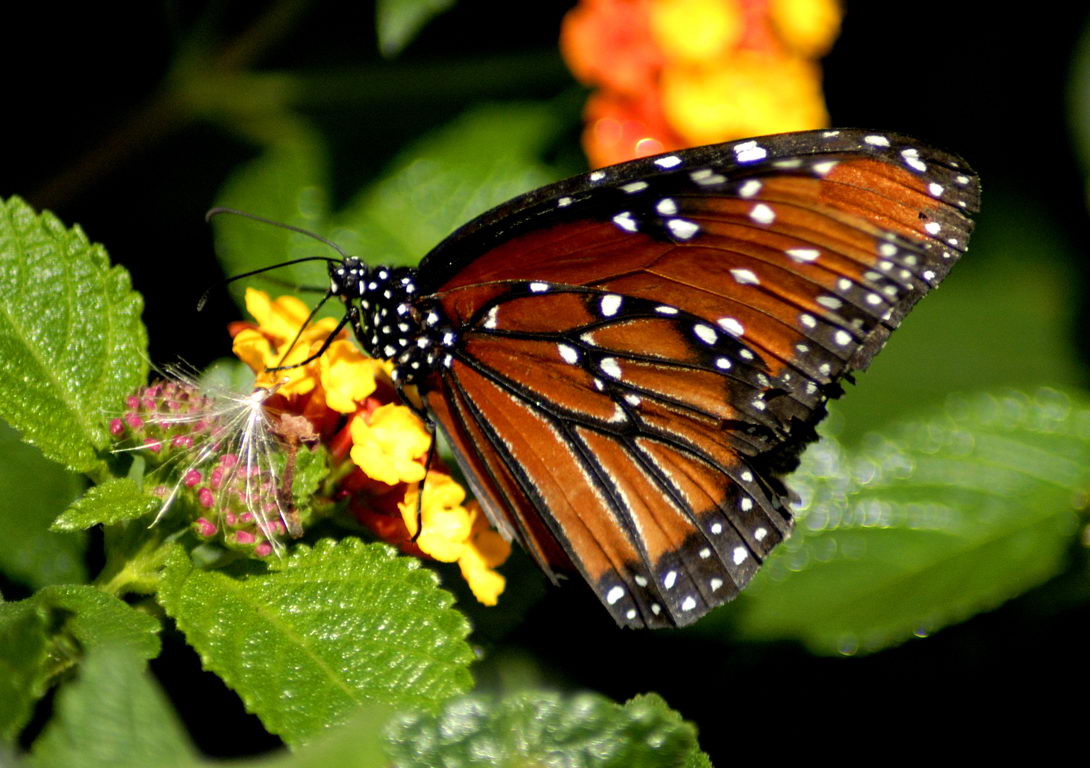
(132,120)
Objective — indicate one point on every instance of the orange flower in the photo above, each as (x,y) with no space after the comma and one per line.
(608,43)
(677,73)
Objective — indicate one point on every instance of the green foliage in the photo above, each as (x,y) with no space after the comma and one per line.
(71,341)
(546,729)
(398,21)
(333,627)
(432,187)
(34,490)
(46,634)
(113,716)
(115,501)
(952,516)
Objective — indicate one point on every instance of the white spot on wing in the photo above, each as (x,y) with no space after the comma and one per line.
(635,186)
(745,277)
(666,206)
(749,152)
(876,141)
(625,221)
(803,254)
(682,228)
(762,214)
(570,354)
(610,367)
(614,595)
(731,326)
(610,304)
(670,161)
(749,188)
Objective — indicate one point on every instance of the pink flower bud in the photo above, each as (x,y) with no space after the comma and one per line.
(264,549)
(205,498)
(192,477)
(117,427)
(204,528)
(153,445)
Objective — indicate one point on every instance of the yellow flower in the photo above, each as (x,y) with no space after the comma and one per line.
(390,444)
(808,27)
(347,376)
(264,347)
(755,94)
(696,30)
(453,532)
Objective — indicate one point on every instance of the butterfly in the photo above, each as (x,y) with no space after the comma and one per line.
(627,363)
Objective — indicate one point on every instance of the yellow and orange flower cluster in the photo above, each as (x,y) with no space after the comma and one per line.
(671,74)
(379,446)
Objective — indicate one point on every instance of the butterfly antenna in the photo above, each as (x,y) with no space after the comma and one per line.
(298,230)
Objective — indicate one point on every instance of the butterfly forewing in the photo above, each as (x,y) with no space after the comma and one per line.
(644,350)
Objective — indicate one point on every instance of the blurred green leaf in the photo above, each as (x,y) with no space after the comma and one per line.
(336,626)
(287,184)
(114,501)
(952,516)
(34,491)
(24,668)
(49,631)
(71,341)
(113,716)
(529,729)
(483,158)
(397,22)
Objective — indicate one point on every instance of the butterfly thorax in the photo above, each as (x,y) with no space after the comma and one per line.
(390,319)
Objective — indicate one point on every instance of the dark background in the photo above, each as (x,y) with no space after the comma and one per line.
(88,136)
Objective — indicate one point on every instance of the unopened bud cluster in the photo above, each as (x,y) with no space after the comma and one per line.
(173,424)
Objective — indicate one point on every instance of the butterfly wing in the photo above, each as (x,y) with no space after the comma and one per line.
(643,351)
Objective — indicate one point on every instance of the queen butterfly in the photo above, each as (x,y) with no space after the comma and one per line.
(626,363)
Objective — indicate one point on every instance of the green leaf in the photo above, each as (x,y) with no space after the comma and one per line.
(397,22)
(34,490)
(951,517)
(336,626)
(482,159)
(46,634)
(114,501)
(527,729)
(24,667)
(359,743)
(114,716)
(437,184)
(285,184)
(71,341)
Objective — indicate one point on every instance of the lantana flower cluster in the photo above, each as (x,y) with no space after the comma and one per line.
(204,438)
(671,74)
(379,447)
(233,456)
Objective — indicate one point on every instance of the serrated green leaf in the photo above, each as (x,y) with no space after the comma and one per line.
(34,490)
(46,633)
(24,668)
(527,729)
(71,341)
(114,715)
(397,22)
(114,501)
(952,516)
(338,625)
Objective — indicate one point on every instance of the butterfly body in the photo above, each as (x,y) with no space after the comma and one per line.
(627,362)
